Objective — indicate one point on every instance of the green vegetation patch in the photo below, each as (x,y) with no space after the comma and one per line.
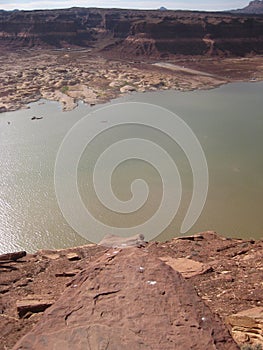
(64,89)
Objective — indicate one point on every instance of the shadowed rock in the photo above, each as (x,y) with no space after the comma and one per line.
(12,256)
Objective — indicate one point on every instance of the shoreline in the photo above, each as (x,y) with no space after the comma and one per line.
(69,77)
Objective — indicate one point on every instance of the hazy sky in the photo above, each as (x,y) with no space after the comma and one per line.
(144,4)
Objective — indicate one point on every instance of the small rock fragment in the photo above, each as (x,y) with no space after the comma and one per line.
(12,256)
(73,256)
(127,88)
(33,305)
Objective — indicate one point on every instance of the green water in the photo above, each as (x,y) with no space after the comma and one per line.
(228,122)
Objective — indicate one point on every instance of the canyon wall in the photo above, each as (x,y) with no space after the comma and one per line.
(134,33)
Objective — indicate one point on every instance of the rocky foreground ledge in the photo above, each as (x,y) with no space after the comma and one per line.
(189,293)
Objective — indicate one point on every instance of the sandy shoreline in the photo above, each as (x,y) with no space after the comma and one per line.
(69,76)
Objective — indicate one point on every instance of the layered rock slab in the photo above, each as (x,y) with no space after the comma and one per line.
(128,299)
(247,326)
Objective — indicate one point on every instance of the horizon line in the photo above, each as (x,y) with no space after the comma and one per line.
(117,8)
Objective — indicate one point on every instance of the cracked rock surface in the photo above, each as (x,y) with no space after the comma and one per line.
(128,299)
(226,274)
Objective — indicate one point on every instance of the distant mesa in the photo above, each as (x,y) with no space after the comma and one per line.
(133,34)
(254,7)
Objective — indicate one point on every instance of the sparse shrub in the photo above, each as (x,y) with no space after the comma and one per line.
(64,89)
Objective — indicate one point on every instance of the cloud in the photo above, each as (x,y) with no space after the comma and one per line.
(146,4)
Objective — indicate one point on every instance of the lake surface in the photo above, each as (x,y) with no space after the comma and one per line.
(228,121)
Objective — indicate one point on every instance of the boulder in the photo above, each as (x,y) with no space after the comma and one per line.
(73,256)
(127,88)
(187,267)
(128,300)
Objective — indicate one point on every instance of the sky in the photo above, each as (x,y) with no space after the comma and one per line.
(209,5)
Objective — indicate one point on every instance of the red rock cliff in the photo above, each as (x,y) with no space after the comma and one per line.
(135,33)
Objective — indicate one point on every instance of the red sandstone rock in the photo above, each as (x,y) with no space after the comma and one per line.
(187,267)
(130,33)
(32,304)
(12,256)
(128,300)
